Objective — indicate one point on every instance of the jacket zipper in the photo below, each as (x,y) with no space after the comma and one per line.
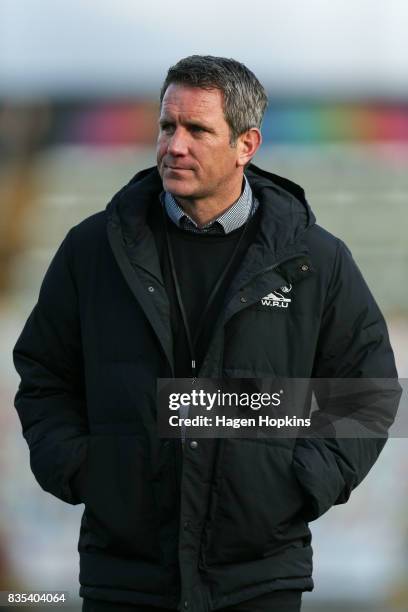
(272,267)
(135,284)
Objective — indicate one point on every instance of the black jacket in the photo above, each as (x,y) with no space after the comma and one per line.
(228,519)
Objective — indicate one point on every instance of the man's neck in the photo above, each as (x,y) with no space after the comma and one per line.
(205,210)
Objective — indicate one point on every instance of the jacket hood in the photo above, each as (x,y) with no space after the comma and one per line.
(286,214)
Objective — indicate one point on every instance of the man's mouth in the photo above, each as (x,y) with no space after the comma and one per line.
(178,168)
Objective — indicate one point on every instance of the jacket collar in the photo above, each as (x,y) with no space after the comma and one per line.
(285,217)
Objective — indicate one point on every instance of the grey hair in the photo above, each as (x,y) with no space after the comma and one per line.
(244,98)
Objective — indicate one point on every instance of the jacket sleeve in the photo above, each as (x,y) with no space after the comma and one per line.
(50,400)
(353,344)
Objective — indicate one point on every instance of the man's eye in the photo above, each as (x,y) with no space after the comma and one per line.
(197,128)
(167,127)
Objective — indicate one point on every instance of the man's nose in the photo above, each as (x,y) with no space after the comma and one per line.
(177,144)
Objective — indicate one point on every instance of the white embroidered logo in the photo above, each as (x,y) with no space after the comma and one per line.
(276,298)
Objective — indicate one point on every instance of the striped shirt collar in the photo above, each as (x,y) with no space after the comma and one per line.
(230,220)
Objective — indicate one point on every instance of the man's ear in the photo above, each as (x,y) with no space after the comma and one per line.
(247,145)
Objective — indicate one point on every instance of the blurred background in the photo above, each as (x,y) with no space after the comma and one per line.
(79,84)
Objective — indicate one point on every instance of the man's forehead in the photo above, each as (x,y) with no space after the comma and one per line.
(192,101)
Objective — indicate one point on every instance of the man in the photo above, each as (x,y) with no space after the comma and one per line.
(181,276)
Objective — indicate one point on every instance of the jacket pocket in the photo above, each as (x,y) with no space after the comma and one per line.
(260,503)
(78,482)
(120,513)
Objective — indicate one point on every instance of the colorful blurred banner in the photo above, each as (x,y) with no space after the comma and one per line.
(109,124)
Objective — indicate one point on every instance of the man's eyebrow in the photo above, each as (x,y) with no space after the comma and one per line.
(193,123)
(199,124)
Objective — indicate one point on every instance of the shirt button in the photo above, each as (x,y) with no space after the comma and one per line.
(186,524)
(193,444)
(304,268)
(151,289)
(243,299)
(186,604)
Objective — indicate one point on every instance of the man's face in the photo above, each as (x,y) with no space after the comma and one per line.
(194,155)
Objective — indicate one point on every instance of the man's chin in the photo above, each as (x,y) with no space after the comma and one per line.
(177,188)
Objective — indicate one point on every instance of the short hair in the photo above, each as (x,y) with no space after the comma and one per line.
(244,98)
